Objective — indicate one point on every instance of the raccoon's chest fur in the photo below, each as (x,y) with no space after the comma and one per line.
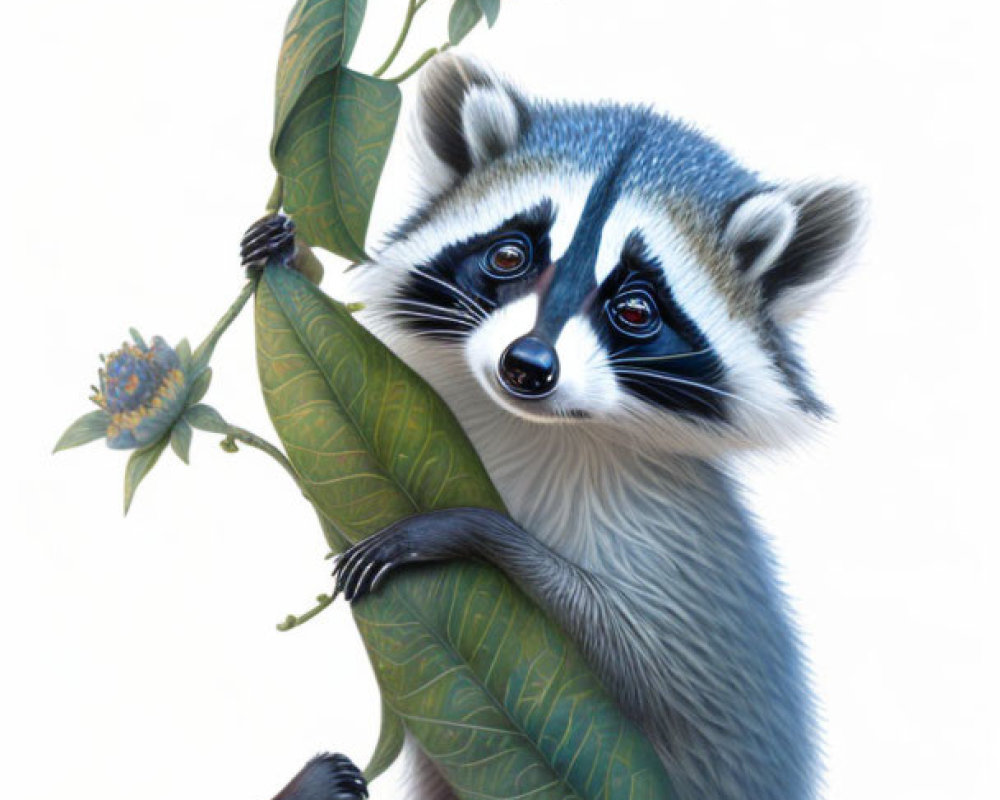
(695,643)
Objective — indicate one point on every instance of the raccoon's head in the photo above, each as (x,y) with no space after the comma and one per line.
(604,266)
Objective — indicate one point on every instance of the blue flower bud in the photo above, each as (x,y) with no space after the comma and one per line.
(143,389)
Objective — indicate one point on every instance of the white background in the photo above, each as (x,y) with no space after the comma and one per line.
(139,656)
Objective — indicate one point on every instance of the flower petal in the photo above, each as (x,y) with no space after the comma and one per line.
(180,440)
(86,429)
(199,386)
(164,355)
(183,351)
(206,418)
(138,467)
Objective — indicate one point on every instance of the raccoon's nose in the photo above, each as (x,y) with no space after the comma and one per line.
(529,367)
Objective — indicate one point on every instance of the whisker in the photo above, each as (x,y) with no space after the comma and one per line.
(458,313)
(670,389)
(613,359)
(647,373)
(712,375)
(673,379)
(406,313)
(440,333)
(470,303)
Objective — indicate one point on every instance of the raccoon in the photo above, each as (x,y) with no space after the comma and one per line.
(606,300)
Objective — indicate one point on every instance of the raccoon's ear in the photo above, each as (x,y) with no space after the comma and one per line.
(467,118)
(796,242)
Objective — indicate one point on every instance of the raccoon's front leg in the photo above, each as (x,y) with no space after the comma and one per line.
(564,590)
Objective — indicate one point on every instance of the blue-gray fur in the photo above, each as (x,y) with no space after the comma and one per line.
(646,557)
(665,156)
(668,157)
(672,599)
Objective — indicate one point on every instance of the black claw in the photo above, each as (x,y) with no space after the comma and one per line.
(347,576)
(363,568)
(364,585)
(270,238)
(329,776)
(380,576)
(268,224)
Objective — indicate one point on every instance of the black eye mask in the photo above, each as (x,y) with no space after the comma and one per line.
(656,351)
(447,297)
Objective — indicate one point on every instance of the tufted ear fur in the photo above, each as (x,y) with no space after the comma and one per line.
(467,118)
(796,242)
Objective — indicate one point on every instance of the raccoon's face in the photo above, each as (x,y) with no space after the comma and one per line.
(604,267)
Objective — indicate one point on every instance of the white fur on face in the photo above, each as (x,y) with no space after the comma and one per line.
(764,408)
(484,347)
(585,382)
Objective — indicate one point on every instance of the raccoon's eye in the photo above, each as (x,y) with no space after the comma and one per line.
(634,313)
(507,259)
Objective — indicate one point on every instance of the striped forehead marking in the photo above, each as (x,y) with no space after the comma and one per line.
(575,270)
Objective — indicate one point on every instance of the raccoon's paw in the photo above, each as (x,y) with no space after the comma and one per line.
(269,238)
(362,569)
(329,776)
(432,536)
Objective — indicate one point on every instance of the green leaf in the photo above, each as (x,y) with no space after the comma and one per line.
(485,682)
(491,8)
(139,465)
(87,428)
(464,16)
(199,387)
(390,742)
(183,351)
(331,154)
(180,440)
(319,35)
(205,418)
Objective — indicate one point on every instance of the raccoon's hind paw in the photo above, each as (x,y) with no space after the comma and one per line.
(328,776)
(269,238)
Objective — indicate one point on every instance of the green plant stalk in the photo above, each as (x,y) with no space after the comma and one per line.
(203,354)
(411,11)
(426,56)
(253,440)
(323,602)
(205,350)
